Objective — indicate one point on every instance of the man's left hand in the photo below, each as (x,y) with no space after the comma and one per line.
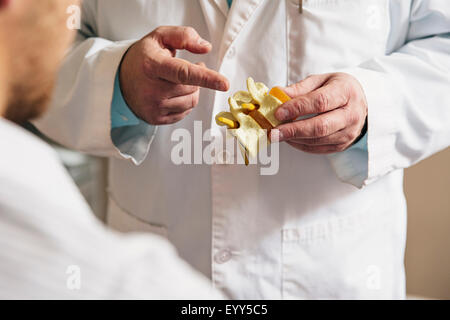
(339,108)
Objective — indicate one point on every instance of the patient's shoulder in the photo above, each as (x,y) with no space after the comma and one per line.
(30,167)
(18,146)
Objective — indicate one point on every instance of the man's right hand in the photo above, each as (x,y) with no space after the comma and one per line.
(160,88)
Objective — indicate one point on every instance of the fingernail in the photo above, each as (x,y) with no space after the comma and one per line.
(282,114)
(203,43)
(222,86)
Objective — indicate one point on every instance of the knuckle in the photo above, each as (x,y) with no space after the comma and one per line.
(343,139)
(300,84)
(290,132)
(353,118)
(196,99)
(189,32)
(158,30)
(304,83)
(193,101)
(298,107)
(321,103)
(348,137)
(321,128)
(183,73)
(164,107)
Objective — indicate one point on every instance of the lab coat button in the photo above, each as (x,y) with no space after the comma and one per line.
(231,53)
(223,256)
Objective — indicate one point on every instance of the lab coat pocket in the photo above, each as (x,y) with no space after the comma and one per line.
(333,34)
(123,221)
(349,257)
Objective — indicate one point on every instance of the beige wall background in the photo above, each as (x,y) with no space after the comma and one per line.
(427,188)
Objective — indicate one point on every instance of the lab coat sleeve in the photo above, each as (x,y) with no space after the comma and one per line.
(408,93)
(351,165)
(131,135)
(80,113)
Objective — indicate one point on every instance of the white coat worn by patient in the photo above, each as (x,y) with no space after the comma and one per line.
(52,246)
(305,232)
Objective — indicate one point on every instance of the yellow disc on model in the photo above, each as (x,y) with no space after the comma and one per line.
(228,122)
(248,106)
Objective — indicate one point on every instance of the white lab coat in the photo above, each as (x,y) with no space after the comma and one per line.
(305,232)
(52,246)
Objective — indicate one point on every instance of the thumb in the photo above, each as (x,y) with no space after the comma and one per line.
(182,38)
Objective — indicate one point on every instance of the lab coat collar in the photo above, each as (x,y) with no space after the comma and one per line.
(215,18)
(236,18)
(223,6)
(211,8)
(239,14)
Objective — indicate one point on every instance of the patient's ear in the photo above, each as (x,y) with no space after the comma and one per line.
(4,3)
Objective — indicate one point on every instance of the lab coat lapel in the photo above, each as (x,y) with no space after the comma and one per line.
(239,14)
(222,5)
(215,13)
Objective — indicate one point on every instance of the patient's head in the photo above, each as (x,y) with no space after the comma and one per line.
(33,39)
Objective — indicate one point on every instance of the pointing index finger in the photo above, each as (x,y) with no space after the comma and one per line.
(180,71)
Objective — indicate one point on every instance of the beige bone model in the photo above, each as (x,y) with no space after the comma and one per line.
(251,115)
